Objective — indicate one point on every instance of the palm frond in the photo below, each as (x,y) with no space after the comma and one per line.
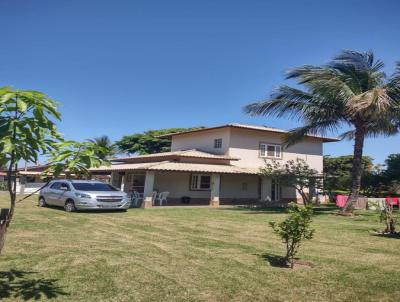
(286,101)
(321,128)
(348,135)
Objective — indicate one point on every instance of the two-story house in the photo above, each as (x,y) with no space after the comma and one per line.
(215,165)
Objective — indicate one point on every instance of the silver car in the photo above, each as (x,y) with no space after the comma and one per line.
(76,195)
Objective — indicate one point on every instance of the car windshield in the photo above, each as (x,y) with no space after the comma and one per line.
(93,186)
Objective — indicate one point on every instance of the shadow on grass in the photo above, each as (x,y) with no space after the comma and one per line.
(318,210)
(275,260)
(94,211)
(18,285)
(387,236)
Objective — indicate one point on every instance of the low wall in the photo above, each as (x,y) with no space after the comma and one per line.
(29,187)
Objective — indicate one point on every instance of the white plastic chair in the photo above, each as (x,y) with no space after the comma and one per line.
(136,199)
(154,198)
(162,198)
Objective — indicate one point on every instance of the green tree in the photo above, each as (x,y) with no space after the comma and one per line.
(351,90)
(296,174)
(337,172)
(148,142)
(107,149)
(294,229)
(392,172)
(27,129)
(75,158)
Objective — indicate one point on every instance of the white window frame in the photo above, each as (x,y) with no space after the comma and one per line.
(264,150)
(195,182)
(218,143)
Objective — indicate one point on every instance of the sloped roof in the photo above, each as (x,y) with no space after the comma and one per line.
(178,167)
(192,153)
(251,127)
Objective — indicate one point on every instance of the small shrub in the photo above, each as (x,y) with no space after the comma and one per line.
(388,218)
(294,229)
(3,186)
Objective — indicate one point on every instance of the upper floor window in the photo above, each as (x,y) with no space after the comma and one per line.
(270,150)
(218,143)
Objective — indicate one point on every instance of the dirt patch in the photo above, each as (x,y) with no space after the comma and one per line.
(298,264)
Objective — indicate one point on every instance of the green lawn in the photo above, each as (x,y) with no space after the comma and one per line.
(192,254)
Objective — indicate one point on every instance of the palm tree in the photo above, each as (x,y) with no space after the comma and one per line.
(351,90)
(107,146)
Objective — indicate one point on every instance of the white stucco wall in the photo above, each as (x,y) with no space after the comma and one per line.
(177,183)
(239,186)
(203,140)
(244,144)
(232,186)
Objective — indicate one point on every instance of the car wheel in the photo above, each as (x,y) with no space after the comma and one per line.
(69,206)
(42,203)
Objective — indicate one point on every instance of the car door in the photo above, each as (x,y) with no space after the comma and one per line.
(52,193)
(61,194)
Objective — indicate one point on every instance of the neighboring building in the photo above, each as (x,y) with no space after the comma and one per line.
(29,179)
(215,165)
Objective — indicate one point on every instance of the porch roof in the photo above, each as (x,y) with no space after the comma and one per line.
(192,153)
(177,167)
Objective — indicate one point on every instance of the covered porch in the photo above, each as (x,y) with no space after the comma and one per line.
(195,184)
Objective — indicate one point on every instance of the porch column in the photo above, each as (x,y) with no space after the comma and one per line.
(123,179)
(22,182)
(113,179)
(148,190)
(215,184)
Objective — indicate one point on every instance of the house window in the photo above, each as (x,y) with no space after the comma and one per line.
(270,150)
(275,191)
(200,182)
(218,143)
(136,182)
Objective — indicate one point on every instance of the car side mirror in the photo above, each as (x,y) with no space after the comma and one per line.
(64,188)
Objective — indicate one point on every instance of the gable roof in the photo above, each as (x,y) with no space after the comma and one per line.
(250,127)
(192,153)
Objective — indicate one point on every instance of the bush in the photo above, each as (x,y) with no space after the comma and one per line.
(294,229)
(3,186)
(388,218)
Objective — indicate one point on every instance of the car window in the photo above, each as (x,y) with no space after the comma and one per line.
(64,186)
(56,185)
(93,186)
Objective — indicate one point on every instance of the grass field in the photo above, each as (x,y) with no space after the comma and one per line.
(192,254)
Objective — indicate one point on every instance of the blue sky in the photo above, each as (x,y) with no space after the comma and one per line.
(121,67)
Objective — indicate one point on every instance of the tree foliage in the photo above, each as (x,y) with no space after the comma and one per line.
(392,172)
(107,148)
(350,90)
(75,158)
(337,172)
(296,174)
(27,129)
(148,142)
(294,229)
(376,181)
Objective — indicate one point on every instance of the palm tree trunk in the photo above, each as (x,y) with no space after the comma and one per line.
(356,169)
